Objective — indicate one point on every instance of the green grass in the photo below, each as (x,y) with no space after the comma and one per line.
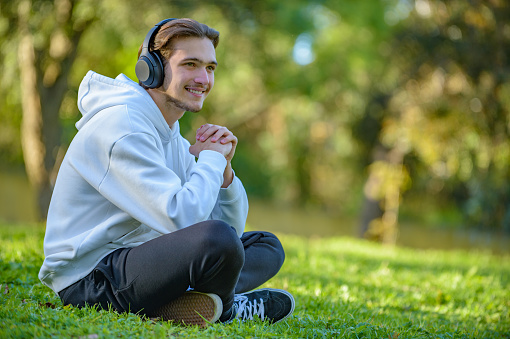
(344,288)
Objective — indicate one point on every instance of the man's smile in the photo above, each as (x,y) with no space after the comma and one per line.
(198,92)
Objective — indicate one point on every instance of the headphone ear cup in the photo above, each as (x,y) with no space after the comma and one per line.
(159,71)
(149,70)
(149,67)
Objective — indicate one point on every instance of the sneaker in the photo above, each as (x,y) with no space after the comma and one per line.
(192,308)
(268,304)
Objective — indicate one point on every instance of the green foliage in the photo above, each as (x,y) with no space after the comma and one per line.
(428,78)
(343,288)
(448,107)
(10,112)
(274,104)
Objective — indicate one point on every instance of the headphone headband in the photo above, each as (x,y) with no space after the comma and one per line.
(149,38)
(149,67)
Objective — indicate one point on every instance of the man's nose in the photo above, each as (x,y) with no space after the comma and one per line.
(202,76)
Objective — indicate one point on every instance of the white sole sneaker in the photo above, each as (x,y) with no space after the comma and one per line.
(192,308)
(268,304)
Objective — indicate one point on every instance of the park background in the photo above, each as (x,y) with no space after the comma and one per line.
(387,120)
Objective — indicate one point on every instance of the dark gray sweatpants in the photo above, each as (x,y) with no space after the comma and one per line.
(208,257)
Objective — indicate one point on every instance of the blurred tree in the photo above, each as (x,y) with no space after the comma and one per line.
(307,66)
(49,33)
(448,107)
(291,81)
(46,36)
(318,91)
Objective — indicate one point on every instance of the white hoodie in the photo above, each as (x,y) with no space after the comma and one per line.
(127,178)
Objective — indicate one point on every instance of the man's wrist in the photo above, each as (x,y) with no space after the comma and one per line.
(228,175)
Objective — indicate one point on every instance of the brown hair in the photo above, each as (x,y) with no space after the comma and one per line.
(179,28)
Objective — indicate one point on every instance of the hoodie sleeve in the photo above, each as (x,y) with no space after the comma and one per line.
(232,202)
(138,182)
(232,206)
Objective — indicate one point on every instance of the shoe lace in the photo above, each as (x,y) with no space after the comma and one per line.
(247,309)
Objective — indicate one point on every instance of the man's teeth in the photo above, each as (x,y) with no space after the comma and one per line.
(194,91)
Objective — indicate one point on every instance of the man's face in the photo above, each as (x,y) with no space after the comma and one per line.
(189,74)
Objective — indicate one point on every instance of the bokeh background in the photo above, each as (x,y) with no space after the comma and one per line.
(383,119)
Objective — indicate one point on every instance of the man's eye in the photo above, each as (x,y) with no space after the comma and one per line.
(191,64)
(211,68)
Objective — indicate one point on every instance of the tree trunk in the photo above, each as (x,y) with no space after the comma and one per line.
(44,73)
(371,210)
(379,219)
(32,139)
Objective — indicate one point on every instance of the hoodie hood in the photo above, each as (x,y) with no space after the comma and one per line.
(98,92)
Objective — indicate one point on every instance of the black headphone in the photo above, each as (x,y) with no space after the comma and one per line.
(149,67)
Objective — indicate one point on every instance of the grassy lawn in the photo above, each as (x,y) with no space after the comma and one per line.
(344,288)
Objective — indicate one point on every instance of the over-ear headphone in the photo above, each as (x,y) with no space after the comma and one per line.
(149,67)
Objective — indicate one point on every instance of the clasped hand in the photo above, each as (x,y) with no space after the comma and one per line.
(214,138)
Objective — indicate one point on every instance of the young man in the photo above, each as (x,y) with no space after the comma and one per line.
(136,223)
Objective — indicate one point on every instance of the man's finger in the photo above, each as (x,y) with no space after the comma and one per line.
(206,131)
(222,132)
(201,130)
(229,138)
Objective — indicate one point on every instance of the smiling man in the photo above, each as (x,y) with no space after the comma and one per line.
(141,220)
